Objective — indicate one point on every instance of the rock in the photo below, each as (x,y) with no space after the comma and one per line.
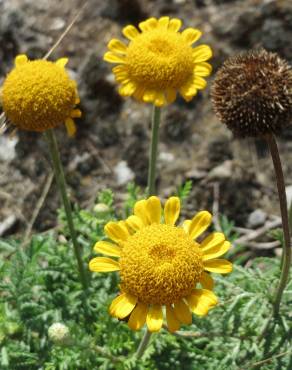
(123,173)
(177,127)
(256,218)
(57,24)
(289,194)
(223,171)
(196,174)
(219,150)
(166,157)
(124,11)
(7,148)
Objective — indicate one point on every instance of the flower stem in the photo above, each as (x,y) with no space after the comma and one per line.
(153,150)
(143,344)
(61,182)
(271,141)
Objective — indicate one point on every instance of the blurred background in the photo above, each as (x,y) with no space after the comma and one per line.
(111,146)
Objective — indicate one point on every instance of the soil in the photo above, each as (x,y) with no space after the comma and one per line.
(193,145)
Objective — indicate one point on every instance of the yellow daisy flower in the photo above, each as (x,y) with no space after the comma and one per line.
(39,95)
(161,264)
(159,61)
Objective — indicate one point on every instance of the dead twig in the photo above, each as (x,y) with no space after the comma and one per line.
(260,231)
(37,209)
(215,208)
(68,28)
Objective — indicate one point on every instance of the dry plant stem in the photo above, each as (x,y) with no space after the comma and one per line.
(271,141)
(153,150)
(60,178)
(143,344)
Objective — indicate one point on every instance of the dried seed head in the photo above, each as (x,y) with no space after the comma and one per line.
(252,93)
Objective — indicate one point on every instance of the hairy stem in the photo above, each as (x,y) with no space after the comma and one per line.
(143,344)
(61,182)
(271,141)
(153,150)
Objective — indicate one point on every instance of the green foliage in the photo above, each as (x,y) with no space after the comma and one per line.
(184,190)
(39,286)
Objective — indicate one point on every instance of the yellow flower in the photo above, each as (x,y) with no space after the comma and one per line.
(161,264)
(159,61)
(39,95)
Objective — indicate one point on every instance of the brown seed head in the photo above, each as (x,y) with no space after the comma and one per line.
(252,93)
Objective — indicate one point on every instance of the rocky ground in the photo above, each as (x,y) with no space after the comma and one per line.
(111,146)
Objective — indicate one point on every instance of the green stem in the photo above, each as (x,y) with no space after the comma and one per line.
(285,223)
(153,150)
(143,344)
(61,182)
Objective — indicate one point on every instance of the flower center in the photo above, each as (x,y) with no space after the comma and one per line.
(160,59)
(160,264)
(38,95)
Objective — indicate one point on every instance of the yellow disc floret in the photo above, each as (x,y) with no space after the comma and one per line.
(160,264)
(160,59)
(39,95)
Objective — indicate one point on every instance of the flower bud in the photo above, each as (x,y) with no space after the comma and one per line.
(59,333)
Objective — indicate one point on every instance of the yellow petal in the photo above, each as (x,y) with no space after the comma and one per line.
(160,99)
(220,266)
(130,32)
(62,62)
(103,264)
(216,251)
(170,95)
(182,312)
(202,53)
(138,316)
(201,301)
(213,240)
(117,46)
(20,60)
(200,83)
(111,57)
(173,323)
(122,305)
(107,248)
(139,93)
(120,68)
(115,232)
(154,318)
(154,209)
(199,224)
(128,89)
(76,113)
(148,25)
(188,91)
(149,95)
(70,126)
(140,210)
(163,22)
(122,78)
(202,69)
(174,24)
(191,35)
(207,281)
(186,225)
(171,210)
(135,223)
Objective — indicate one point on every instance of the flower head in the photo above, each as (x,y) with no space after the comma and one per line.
(161,265)
(59,333)
(159,61)
(252,93)
(39,95)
